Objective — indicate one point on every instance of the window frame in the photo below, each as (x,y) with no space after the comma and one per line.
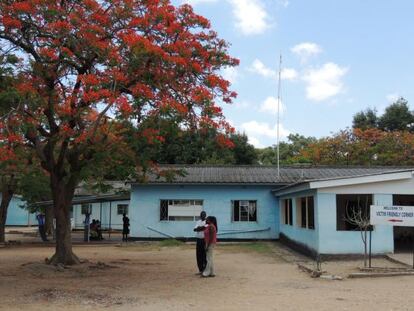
(340,215)
(287,211)
(233,213)
(126,206)
(305,212)
(88,206)
(168,218)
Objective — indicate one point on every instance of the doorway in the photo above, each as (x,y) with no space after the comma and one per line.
(403,236)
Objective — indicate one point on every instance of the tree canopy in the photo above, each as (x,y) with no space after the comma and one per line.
(87,63)
(396,117)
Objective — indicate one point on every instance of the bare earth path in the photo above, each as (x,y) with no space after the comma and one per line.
(150,277)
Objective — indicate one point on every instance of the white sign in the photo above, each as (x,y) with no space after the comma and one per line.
(393,215)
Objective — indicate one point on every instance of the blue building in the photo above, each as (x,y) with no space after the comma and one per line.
(304,207)
(108,209)
(17,215)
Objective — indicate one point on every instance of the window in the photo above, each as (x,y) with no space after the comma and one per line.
(122,209)
(403,200)
(287,211)
(305,213)
(86,209)
(346,205)
(244,210)
(180,210)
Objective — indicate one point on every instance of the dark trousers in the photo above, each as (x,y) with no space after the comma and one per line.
(201,255)
(42,233)
(124,237)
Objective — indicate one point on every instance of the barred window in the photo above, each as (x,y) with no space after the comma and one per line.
(305,213)
(86,209)
(180,210)
(122,209)
(287,213)
(244,210)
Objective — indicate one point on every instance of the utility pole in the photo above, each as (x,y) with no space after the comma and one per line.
(278,116)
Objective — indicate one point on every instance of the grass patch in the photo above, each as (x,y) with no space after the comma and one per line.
(256,247)
(151,246)
(170,243)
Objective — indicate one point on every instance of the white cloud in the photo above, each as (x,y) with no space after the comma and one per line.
(195,2)
(251,16)
(289,74)
(284,3)
(324,82)
(392,98)
(230,74)
(270,106)
(255,142)
(306,50)
(263,129)
(261,69)
(243,104)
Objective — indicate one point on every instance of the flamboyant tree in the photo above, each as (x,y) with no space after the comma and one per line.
(362,147)
(87,62)
(11,161)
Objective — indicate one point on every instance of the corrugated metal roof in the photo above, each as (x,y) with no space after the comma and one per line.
(221,174)
(89,199)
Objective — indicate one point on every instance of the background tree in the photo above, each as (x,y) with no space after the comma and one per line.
(86,62)
(10,162)
(397,117)
(290,151)
(365,119)
(362,148)
(186,146)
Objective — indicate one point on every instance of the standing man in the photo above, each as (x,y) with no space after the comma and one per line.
(200,249)
(125,227)
(86,227)
(41,221)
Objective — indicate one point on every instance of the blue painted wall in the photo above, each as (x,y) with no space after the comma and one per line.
(332,241)
(308,237)
(145,210)
(17,216)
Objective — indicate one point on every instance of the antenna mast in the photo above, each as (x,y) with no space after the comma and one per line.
(278,116)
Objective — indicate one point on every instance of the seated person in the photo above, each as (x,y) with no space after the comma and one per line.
(99,230)
(93,230)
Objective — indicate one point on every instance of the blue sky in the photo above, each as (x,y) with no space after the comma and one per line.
(339,57)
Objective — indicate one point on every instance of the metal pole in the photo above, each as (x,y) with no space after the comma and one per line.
(100,213)
(88,230)
(110,218)
(370,243)
(278,116)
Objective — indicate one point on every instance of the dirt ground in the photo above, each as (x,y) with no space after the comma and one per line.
(160,277)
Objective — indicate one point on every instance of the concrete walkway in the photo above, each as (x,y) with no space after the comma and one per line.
(405,258)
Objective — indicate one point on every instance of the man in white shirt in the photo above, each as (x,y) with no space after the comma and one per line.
(200,249)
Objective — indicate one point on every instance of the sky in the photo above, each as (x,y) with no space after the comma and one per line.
(338,58)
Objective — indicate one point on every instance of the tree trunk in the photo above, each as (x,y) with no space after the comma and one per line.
(62,199)
(6,197)
(49,220)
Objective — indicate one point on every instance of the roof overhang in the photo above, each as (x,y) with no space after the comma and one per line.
(344,181)
(89,199)
(205,184)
